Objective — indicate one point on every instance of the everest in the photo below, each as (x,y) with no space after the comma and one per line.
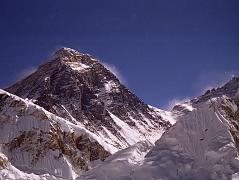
(74,119)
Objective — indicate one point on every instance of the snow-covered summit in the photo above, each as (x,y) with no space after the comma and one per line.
(66,50)
(71,55)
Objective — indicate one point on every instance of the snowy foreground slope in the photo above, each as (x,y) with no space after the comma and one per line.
(36,141)
(200,146)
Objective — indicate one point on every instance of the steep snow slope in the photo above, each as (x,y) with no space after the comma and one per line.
(199,146)
(120,165)
(37,141)
(78,88)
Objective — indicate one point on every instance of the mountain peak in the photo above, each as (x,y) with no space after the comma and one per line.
(67,51)
(81,90)
(72,57)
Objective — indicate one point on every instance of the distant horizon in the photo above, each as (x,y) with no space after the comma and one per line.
(163,51)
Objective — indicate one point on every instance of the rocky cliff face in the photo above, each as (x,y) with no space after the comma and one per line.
(80,89)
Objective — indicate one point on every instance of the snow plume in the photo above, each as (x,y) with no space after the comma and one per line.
(212,79)
(112,68)
(176,101)
(26,72)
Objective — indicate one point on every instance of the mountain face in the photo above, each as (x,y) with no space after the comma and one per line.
(80,89)
(70,113)
(73,119)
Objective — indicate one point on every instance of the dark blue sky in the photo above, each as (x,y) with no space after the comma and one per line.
(165,50)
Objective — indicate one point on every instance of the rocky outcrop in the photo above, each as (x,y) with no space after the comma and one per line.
(4,163)
(232,114)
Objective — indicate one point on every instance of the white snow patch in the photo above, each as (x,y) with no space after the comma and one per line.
(129,134)
(187,106)
(166,115)
(148,129)
(111,86)
(78,66)
(120,165)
